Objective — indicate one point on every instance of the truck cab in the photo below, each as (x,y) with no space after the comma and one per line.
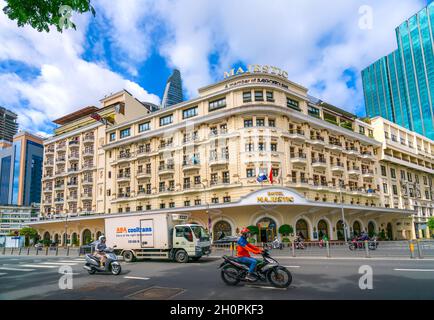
(190,241)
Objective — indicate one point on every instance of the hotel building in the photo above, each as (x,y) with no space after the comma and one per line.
(202,157)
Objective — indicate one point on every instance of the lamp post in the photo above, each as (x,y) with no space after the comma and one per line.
(66,231)
(341,185)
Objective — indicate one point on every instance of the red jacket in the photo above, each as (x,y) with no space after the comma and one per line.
(244,247)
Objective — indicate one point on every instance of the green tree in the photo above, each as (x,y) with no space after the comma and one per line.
(253,229)
(41,14)
(29,233)
(286,230)
(431,225)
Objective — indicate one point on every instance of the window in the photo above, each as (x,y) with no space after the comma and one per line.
(250,173)
(274,147)
(290,103)
(162,205)
(189,113)
(270,96)
(385,188)
(113,136)
(259,96)
(370,133)
(184,232)
(249,147)
(395,190)
(171,204)
(275,172)
(226,199)
(217,104)
(197,202)
(125,133)
(402,175)
(362,130)
(271,123)
(410,176)
(393,173)
(186,203)
(314,112)
(260,122)
(197,180)
(248,123)
(215,200)
(261,146)
(247,96)
(144,126)
(383,171)
(166,120)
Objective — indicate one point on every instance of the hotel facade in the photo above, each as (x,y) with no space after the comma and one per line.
(202,158)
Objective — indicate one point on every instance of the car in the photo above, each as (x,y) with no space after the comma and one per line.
(226,240)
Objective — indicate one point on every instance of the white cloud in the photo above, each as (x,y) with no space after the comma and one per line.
(66,82)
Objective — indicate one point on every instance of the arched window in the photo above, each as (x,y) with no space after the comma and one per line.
(371,229)
(47,238)
(356,228)
(98,234)
(221,229)
(74,239)
(340,230)
(389,231)
(86,237)
(302,227)
(56,238)
(323,229)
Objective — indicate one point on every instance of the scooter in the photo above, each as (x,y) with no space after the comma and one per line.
(111,265)
(267,270)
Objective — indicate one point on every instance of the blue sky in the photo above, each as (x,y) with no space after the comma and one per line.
(134,44)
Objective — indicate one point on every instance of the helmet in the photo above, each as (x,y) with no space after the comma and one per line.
(101,238)
(245,230)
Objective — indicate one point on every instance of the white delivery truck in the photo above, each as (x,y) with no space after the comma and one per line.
(157,236)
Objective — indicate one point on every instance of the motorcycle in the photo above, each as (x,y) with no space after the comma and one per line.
(111,265)
(267,270)
(358,244)
(276,244)
(299,244)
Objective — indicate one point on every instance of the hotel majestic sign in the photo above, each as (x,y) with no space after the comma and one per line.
(275,197)
(256,68)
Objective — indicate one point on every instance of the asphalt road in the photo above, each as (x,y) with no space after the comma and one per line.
(313,278)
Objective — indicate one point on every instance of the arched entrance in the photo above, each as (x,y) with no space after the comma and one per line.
(302,227)
(340,231)
(46,238)
(56,239)
(221,229)
(74,239)
(389,231)
(323,229)
(64,239)
(86,237)
(267,230)
(371,229)
(357,229)
(98,234)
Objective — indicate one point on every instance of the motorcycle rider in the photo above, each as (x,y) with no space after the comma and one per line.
(243,254)
(99,250)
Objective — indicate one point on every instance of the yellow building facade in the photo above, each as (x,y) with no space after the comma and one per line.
(203,157)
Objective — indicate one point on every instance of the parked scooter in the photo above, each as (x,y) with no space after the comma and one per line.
(299,243)
(276,244)
(111,265)
(356,243)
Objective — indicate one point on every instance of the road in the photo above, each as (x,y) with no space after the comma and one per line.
(313,278)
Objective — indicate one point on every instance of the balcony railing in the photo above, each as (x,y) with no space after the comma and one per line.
(216,182)
(164,167)
(298,155)
(319,161)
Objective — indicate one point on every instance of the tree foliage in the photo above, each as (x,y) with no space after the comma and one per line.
(286,229)
(253,229)
(41,14)
(431,224)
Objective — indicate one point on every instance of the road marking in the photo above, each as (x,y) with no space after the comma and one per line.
(80,259)
(69,261)
(415,270)
(16,269)
(136,278)
(60,263)
(292,266)
(2,274)
(37,266)
(262,287)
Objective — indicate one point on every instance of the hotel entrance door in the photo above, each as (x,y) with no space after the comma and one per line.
(267,230)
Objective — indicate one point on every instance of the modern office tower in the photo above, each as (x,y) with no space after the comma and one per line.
(21,170)
(14,218)
(173,92)
(8,125)
(400,86)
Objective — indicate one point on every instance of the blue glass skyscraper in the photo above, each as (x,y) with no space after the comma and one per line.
(400,86)
(173,91)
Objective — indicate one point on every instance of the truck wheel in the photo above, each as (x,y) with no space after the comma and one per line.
(181,256)
(128,256)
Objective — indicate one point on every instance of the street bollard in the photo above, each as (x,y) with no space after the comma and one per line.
(46,251)
(67,251)
(367,249)
(293,249)
(12,251)
(37,251)
(419,250)
(28,250)
(411,249)
(4,250)
(57,251)
(328,249)
(19,252)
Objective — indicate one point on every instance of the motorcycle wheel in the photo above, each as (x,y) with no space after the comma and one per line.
(91,271)
(229,275)
(280,277)
(352,246)
(116,269)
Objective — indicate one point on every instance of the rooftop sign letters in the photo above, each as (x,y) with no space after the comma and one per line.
(275,197)
(256,68)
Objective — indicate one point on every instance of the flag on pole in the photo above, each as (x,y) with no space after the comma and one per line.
(271,175)
(262,176)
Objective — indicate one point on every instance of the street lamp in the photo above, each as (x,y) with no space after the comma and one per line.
(66,232)
(341,185)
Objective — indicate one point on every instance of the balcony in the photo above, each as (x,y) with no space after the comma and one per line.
(165,146)
(216,183)
(89,138)
(88,167)
(60,172)
(60,160)
(88,153)
(143,174)
(72,184)
(74,157)
(334,145)
(367,173)
(61,147)
(320,163)
(48,189)
(123,196)
(367,155)
(166,169)
(298,158)
(297,135)
(217,133)
(352,151)
(190,140)
(49,151)
(124,177)
(354,171)
(71,170)
(302,183)
(73,198)
(49,164)
(86,196)
(317,140)
(86,182)
(338,167)
(144,152)
(320,185)
(59,200)
(143,193)
(190,164)
(124,157)
(59,186)
(215,160)
(73,144)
